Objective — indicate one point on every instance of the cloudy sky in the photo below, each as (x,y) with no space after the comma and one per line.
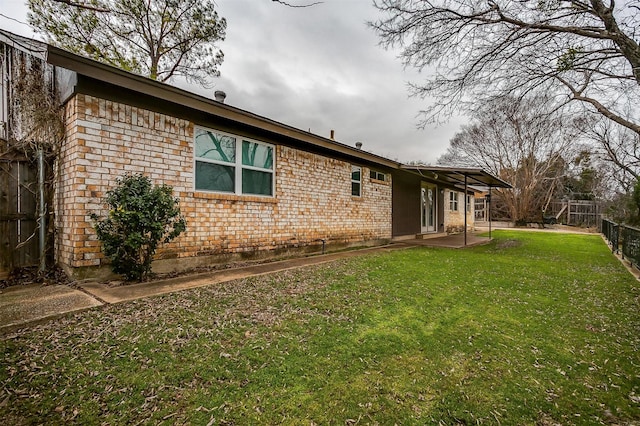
(316,68)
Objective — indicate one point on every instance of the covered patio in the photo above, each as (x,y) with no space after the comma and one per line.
(462,179)
(455,241)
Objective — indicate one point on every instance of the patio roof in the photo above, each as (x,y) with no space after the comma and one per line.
(459,176)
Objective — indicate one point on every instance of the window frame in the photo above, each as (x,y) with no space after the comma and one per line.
(238,164)
(356,181)
(470,199)
(375,175)
(453,200)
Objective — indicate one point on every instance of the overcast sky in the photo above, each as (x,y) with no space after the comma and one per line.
(316,68)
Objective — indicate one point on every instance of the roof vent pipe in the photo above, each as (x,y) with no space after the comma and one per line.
(359,145)
(219,96)
(333,133)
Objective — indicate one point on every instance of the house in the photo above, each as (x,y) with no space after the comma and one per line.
(248,186)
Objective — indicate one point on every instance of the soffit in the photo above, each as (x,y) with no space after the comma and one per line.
(457,176)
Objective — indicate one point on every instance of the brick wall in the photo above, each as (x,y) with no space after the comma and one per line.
(313,193)
(454,220)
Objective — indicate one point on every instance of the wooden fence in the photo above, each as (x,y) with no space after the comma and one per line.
(576,212)
(18,223)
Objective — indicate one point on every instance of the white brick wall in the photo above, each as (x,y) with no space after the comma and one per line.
(454,220)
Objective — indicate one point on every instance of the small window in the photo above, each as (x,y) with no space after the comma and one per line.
(469,201)
(356,181)
(376,175)
(229,163)
(453,201)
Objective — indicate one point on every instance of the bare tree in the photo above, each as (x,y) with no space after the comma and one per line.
(522,143)
(282,2)
(580,50)
(160,39)
(619,147)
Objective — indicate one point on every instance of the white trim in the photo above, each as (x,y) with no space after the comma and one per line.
(456,201)
(353,168)
(425,229)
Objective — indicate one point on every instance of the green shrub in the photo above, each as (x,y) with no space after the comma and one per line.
(141,216)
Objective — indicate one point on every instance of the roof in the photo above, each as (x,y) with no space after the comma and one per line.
(459,176)
(121,78)
(34,47)
(112,75)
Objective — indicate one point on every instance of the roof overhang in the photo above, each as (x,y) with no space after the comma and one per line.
(133,82)
(33,47)
(458,176)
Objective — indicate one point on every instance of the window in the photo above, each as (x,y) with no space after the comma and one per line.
(469,201)
(453,201)
(228,163)
(356,181)
(376,175)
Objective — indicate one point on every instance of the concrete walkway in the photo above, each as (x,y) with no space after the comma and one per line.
(22,305)
(125,293)
(25,305)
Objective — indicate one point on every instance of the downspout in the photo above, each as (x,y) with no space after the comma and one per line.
(41,211)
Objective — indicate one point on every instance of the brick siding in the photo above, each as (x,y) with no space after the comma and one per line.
(312,201)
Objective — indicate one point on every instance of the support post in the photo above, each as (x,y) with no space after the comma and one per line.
(465,210)
(489,212)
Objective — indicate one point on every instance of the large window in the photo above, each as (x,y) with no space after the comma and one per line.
(229,163)
(453,201)
(356,181)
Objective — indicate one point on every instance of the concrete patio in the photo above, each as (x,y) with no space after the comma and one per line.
(446,241)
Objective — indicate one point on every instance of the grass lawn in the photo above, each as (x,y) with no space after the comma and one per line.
(534,328)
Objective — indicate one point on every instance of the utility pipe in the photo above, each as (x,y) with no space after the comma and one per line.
(41,210)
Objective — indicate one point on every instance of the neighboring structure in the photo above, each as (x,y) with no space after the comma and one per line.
(247,184)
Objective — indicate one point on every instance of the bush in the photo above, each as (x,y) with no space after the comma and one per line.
(141,216)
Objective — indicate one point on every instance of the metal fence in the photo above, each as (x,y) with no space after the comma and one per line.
(611,232)
(623,239)
(630,239)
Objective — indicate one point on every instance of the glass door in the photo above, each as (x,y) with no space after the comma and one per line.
(428,206)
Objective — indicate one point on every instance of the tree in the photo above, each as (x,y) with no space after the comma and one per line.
(523,144)
(585,178)
(619,148)
(282,2)
(141,216)
(159,39)
(582,51)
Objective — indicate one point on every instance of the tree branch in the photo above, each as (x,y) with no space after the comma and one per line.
(82,5)
(295,5)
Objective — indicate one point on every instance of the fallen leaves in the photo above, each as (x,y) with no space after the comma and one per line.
(405,337)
